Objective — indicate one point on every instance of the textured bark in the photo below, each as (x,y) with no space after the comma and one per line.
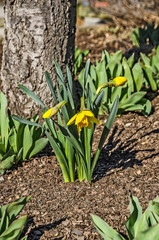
(36,32)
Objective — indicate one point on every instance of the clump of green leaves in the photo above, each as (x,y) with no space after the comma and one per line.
(131,96)
(149,34)
(150,66)
(72,144)
(79,58)
(18,141)
(140,226)
(11,227)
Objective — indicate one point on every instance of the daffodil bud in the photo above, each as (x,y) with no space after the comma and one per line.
(119,81)
(52,111)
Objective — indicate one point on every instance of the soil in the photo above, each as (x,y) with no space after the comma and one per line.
(128,163)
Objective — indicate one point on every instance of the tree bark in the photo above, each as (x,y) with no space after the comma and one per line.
(36,32)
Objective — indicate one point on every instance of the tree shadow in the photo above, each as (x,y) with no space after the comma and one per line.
(117,154)
(35,232)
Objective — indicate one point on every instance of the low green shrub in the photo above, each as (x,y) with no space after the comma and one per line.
(149,34)
(150,65)
(71,135)
(139,226)
(11,227)
(131,96)
(17,140)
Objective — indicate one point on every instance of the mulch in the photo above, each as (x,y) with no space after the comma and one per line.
(128,163)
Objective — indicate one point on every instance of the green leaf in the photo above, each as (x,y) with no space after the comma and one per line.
(60,157)
(20,137)
(132,99)
(149,77)
(131,107)
(8,213)
(49,82)
(131,60)
(13,139)
(155,206)
(7,163)
(138,76)
(31,94)
(2,148)
(86,74)
(151,233)
(143,222)
(24,121)
(106,131)
(136,213)
(38,146)
(128,76)
(114,61)
(15,229)
(105,230)
(27,142)
(70,82)
(3,120)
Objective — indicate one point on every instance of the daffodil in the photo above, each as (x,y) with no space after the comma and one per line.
(84,118)
(116,82)
(52,111)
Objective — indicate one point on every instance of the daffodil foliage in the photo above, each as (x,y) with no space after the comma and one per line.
(71,132)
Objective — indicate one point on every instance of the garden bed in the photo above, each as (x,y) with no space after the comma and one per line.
(127,164)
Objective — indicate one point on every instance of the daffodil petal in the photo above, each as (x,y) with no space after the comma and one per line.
(79,128)
(94,120)
(50,112)
(79,117)
(88,113)
(71,121)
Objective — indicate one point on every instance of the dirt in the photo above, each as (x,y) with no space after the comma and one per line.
(128,163)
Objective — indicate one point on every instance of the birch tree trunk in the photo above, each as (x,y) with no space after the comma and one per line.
(36,32)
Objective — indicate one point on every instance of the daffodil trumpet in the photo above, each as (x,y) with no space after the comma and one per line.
(116,82)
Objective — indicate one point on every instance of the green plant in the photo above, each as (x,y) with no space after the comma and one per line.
(73,145)
(17,140)
(139,226)
(131,98)
(79,58)
(150,65)
(149,34)
(11,227)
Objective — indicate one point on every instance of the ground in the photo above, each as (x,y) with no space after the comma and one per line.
(128,164)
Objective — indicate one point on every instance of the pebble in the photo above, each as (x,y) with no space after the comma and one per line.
(66,222)
(139,172)
(127,124)
(77,232)
(2,179)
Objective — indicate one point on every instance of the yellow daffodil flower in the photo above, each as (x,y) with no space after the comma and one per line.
(52,111)
(84,118)
(116,82)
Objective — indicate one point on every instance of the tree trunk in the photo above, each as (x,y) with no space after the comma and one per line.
(36,32)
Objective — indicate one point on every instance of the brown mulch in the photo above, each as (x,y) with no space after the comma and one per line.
(129,163)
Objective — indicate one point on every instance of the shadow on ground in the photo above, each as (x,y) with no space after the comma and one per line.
(35,233)
(117,154)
